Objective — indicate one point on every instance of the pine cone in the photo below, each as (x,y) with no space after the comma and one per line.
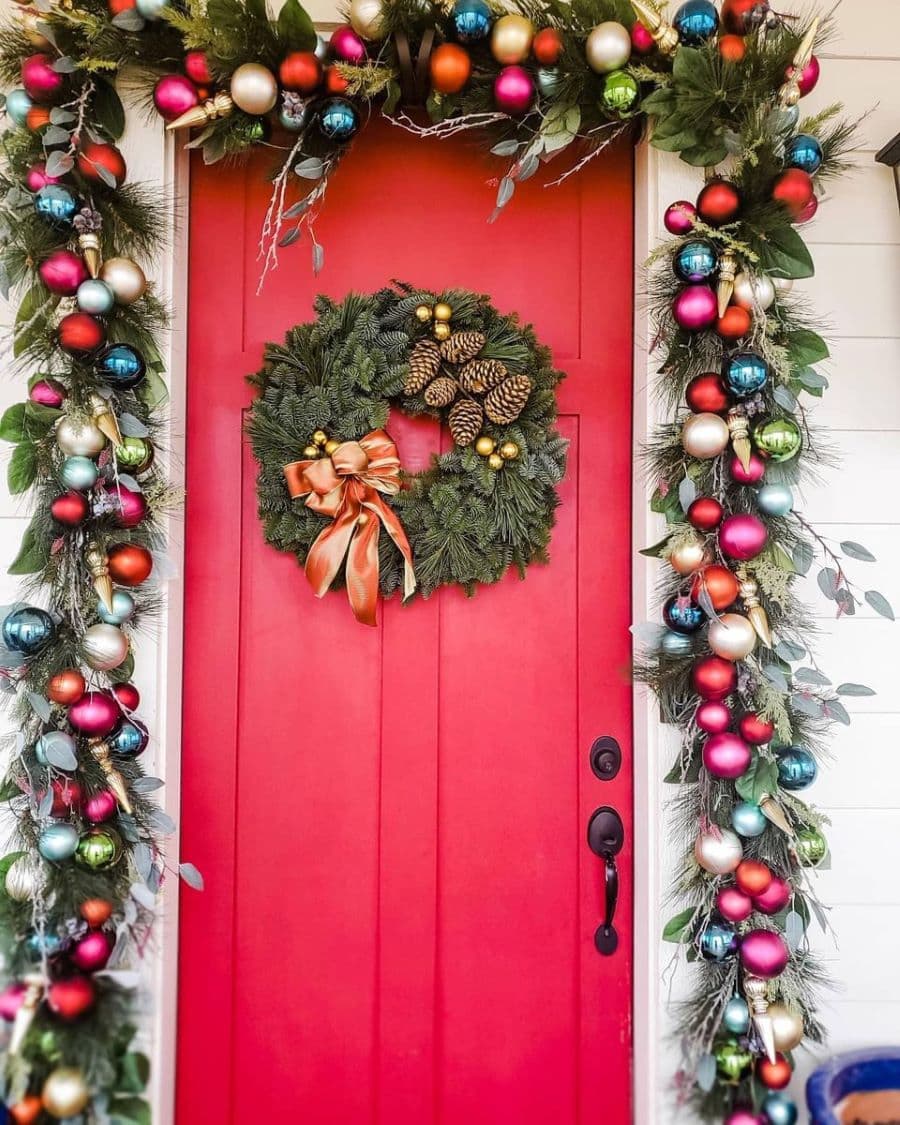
(507,401)
(424,364)
(462,346)
(479,375)
(441,392)
(465,421)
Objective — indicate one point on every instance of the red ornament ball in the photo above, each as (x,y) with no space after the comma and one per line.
(116,7)
(96,912)
(70,509)
(794,188)
(129,506)
(714,678)
(42,83)
(66,687)
(705,513)
(706,394)
(450,68)
(71,998)
(753,877)
(95,155)
(713,717)
(774,1075)
(27,1111)
(774,898)
(80,334)
(753,474)
(547,46)
(719,583)
(11,1000)
(733,904)
(300,72)
(95,714)
(173,95)
(66,795)
(735,15)
(128,696)
(734,324)
(335,82)
(196,67)
(755,730)
(641,39)
(809,212)
(129,564)
(719,203)
(62,272)
(732,48)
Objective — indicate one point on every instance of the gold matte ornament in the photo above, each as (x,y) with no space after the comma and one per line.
(254,89)
(787,1026)
(65,1092)
(125,278)
(511,39)
(442,311)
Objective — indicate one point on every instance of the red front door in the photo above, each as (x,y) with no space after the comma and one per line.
(398,925)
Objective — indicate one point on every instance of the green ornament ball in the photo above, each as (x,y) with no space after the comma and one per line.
(812,847)
(780,439)
(99,848)
(135,453)
(620,92)
(732,1060)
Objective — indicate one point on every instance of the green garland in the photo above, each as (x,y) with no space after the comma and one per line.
(708,100)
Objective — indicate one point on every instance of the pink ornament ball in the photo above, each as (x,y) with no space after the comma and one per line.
(641,39)
(92,952)
(173,95)
(347,46)
(96,714)
(733,904)
(100,807)
(680,217)
(129,506)
(774,898)
(764,953)
(513,90)
(753,474)
(726,755)
(809,77)
(713,717)
(695,308)
(36,177)
(11,1000)
(743,1117)
(42,83)
(809,212)
(47,392)
(62,272)
(196,67)
(742,537)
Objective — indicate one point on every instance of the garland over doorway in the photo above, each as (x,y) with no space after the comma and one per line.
(549,82)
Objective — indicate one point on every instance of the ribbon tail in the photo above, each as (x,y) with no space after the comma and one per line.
(394,528)
(362,571)
(327,553)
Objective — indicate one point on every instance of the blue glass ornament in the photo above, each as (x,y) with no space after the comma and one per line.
(151,9)
(122,608)
(43,945)
(50,746)
(683,616)
(56,205)
(775,500)
(79,473)
(58,842)
(745,373)
(803,151)
(778,1109)
(18,104)
(797,768)
(121,366)
(130,739)
(548,80)
(695,261)
(675,644)
(718,940)
(472,20)
(338,120)
(736,1016)
(28,629)
(95,297)
(748,820)
(695,21)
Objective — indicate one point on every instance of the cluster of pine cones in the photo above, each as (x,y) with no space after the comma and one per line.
(450,372)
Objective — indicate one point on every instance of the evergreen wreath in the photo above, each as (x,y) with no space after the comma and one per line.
(482,507)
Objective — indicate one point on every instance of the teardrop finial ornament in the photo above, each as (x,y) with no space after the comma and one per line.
(756,991)
(789,94)
(664,34)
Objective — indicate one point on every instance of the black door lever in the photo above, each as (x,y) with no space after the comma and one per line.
(606,835)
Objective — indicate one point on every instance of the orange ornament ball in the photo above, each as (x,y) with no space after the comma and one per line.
(66,687)
(300,72)
(116,7)
(96,912)
(753,877)
(547,46)
(720,584)
(129,564)
(734,324)
(38,117)
(96,155)
(774,1075)
(450,68)
(27,1111)
(335,82)
(732,48)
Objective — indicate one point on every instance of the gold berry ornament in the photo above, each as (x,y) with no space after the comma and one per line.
(320,437)
(442,330)
(442,311)
(311,451)
(424,313)
(331,445)
(495,461)
(509,451)
(485,446)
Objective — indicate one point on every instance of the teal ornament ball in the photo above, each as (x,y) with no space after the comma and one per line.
(123,608)
(748,820)
(548,80)
(696,21)
(778,1109)
(293,120)
(718,940)
(95,297)
(675,644)
(18,104)
(695,261)
(58,842)
(338,120)
(28,630)
(797,769)
(621,92)
(472,20)
(43,945)
(56,205)
(53,747)
(151,9)
(122,366)
(804,152)
(130,739)
(775,500)
(736,1016)
(745,374)
(79,473)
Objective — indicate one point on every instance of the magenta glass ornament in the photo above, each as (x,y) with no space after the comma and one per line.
(95,714)
(173,95)
(47,392)
(101,806)
(11,1000)
(42,83)
(641,39)
(347,46)
(743,1117)
(713,717)
(809,77)
(695,308)
(742,537)
(36,177)
(753,474)
(774,898)
(733,904)
(764,953)
(808,213)
(726,755)
(92,951)
(130,507)
(680,217)
(513,90)
(62,272)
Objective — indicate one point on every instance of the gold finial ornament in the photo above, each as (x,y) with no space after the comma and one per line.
(773,812)
(219,106)
(727,273)
(664,35)
(755,612)
(98,565)
(789,94)
(100,752)
(105,419)
(89,244)
(34,993)
(756,991)
(739,429)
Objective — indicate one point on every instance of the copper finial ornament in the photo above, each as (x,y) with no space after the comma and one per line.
(100,752)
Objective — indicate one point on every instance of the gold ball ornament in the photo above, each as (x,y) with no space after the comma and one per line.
(753,291)
(495,461)
(79,438)
(608,47)
(689,555)
(65,1092)
(509,451)
(254,88)
(731,636)
(331,445)
(442,311)
(442,330)
(320,437)
(21,881)
(104,646)
(311,451)
(720,852)
(787,1026)
(424,313)
(367,18)
(705,436)
(485,446)
(511,39)
(125,278)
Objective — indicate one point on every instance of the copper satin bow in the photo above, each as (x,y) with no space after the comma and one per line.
(346,487)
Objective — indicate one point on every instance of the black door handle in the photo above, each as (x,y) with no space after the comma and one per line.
(606,835)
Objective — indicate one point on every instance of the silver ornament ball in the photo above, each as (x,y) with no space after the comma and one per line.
(775,500)
(79,473)
(58,842)
(104,647)
(22,883)
(720,852)
(123,608)
(95,297)
(731,636)
(254,89)
(367,18)
(753,291)
(125,278)
(79,438)
(608,47)
(705,436)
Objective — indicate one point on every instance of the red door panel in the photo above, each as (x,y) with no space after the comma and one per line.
(400,906)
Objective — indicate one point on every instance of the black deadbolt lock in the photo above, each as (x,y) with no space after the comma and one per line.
(606,757)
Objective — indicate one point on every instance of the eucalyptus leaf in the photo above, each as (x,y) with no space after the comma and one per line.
(880,604)
(132,427)
(775,676)
(802,557)
(527,168)
(854,689)
(59,164)
(811,676)
(857,551)
(505,191)
(290,238)
(297,209)
(505,148)
(129,20)
(318,257)
(40,705)
(834,709)
(310,169)
(706,1073)
(828,581)
(784,398)
(65,65)
(790,651)
(45,805)
(647,634)
(144,896)
(808,705)
(61,757)
(794,929)
(143,859)
(55,135)
(147,784)
(687,493)
(162,822)
(191,876)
